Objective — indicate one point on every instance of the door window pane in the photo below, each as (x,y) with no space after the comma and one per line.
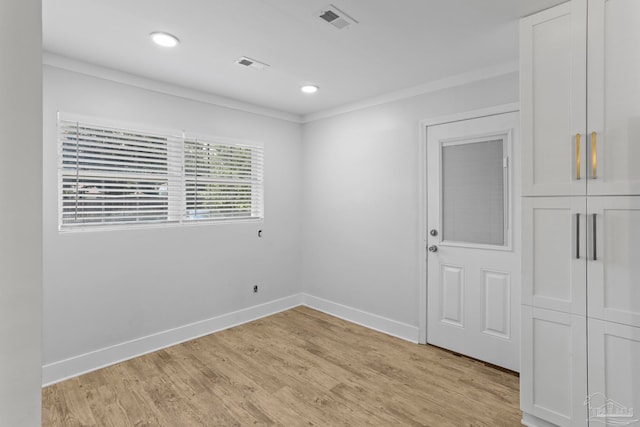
(473,196)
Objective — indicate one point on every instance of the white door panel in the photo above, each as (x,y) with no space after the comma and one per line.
(496,303)
(473,277)
(451,293)
(474,309)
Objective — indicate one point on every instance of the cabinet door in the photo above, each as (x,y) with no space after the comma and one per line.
(554,253)
(553,380)
(614,101)
(553,100)
(614,374)
(613,277)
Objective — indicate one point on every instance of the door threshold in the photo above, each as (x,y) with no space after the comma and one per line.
(473,359)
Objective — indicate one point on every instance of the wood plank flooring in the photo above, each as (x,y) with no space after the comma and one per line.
(296,368)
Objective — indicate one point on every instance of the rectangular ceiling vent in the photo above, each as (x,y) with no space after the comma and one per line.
(335,17)
(251,63)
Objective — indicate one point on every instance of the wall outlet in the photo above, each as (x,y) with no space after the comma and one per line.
(255,289)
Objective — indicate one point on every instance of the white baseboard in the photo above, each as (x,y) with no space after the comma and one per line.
(533,421)
(363,318)
(64,369)
(78,365)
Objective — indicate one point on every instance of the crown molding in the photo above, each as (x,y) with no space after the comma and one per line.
(434,86)
(69,64)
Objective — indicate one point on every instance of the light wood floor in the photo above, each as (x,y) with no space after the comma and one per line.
(299,367)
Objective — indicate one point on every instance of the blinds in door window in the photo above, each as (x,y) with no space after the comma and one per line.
(474,197)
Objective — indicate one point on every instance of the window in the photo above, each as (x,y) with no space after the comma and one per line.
(110,176)
(475,202)
(222,181)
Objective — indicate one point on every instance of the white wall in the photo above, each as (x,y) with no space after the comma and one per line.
(20,212)
(105,288)
(341,224)
(360,202)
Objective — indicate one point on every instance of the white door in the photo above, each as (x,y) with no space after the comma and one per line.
(473,290)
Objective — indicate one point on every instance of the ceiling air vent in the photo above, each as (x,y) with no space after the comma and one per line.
(251,63)
(335,17)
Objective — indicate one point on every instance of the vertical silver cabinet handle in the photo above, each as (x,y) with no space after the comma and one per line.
(577,156)
(595,256)
(594,156)
(577,236)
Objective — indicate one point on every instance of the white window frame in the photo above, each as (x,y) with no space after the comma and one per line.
(506,137)
(177,205)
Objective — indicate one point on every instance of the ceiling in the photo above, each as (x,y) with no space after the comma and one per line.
(396,44)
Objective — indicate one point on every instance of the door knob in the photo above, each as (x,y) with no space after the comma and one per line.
(434,232)
(433,248)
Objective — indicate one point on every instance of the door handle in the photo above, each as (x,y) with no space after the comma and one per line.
(433,248)
(594,156)
(577,156)
(577,236)
(595,256)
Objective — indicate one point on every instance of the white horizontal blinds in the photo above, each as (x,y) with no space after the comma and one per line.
(222,181)
(114,176)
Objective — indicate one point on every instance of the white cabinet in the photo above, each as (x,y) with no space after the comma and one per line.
(577,140)
(561,234)
(580,109)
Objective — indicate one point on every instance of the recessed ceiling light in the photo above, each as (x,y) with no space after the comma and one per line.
(309,89)
(164,39)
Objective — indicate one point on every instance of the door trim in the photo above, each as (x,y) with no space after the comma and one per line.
(422,198)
